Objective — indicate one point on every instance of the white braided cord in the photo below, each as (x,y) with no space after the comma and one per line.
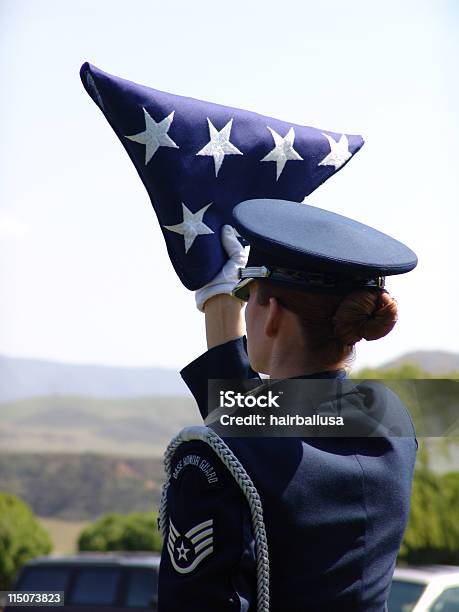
(229,459)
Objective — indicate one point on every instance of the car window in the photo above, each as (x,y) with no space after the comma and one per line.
(404,595)
(44,578)
(448,601)
(142,588)
(95,586)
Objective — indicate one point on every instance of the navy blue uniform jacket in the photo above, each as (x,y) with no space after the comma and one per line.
(335,511)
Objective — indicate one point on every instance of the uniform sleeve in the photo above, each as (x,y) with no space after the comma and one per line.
(225,361)
(208,557)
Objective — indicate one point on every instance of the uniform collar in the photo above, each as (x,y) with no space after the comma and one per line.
(339,374)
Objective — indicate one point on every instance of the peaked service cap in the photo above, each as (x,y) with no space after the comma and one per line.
(313,249)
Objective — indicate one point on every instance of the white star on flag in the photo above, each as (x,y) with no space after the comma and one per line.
(155,135)
(339,152)
(283,150)
(219,144)
(191,226)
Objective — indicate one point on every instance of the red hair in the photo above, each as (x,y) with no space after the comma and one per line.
(332,324)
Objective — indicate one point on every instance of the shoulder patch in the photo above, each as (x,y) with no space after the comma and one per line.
(186,551)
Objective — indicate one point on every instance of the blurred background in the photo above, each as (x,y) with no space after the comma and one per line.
(94,324)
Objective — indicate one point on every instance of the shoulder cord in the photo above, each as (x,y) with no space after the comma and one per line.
(244,481)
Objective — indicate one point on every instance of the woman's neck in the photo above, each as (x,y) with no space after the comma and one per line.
(290,364)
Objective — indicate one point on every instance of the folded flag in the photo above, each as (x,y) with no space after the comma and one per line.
(198,160)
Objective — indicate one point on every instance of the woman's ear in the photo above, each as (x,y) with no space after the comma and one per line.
(273,317)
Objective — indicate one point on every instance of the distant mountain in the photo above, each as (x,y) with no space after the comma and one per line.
(22,378)
(25,378)
(434,362)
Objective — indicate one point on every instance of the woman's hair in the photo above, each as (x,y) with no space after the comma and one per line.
(333,324)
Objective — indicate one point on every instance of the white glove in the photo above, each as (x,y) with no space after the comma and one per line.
(228,277)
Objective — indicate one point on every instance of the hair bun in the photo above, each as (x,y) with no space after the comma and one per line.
(365,314)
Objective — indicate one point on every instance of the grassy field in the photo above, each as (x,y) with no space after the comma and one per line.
(140,427)
(64,534)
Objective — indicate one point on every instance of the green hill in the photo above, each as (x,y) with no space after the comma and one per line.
(82,487)
(138,426)
(433,362)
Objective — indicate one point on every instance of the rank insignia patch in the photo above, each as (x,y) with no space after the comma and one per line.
(187,551)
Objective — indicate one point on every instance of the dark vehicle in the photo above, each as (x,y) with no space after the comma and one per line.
(108,582)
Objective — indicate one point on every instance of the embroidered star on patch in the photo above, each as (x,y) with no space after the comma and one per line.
(187,551)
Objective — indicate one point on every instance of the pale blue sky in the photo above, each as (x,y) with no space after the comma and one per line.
(84,273)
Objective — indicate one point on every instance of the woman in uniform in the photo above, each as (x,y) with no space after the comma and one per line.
(289,524)
(286,523)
